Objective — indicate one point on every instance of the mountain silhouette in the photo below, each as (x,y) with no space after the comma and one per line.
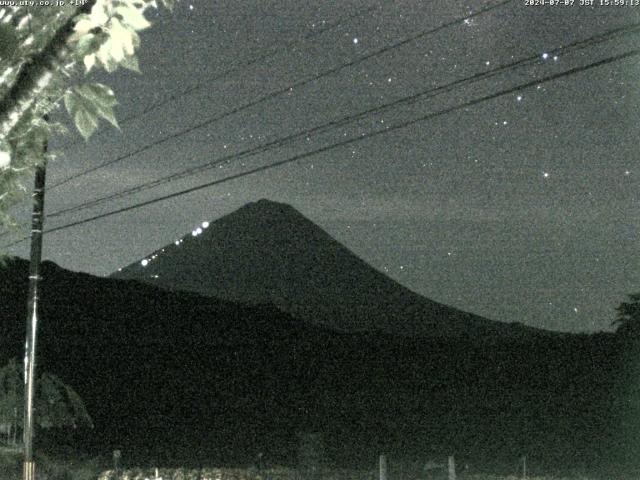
(268,252)
(185,379)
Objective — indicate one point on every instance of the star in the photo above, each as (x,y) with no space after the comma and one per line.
(545,56)
(546,174)
(355,41)
(519,98)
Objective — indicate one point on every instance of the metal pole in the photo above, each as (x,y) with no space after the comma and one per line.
(37,221)
(452,468)
(383,468)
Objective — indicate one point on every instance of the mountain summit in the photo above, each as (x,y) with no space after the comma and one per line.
(268,252)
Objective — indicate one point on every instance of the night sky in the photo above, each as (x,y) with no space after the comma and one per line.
(520,208)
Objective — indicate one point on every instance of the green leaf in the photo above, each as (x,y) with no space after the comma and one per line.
(98,93)
(89,62)
(99,99)
(5,154)
(71,102)
(133,17)
(108,114)
(135,39)
(119,42)
(84,110)
(86,123)
(168,4)
(86,103)
(110,65)
(89,43)
(131,63)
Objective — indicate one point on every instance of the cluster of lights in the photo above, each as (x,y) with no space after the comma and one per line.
(200,229)
(197,231)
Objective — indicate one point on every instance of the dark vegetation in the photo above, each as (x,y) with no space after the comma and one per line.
(181,379)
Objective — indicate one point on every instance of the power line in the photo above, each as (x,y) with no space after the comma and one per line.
(272,51)
(608,35)
(576,45)
(295,158)
(277,93)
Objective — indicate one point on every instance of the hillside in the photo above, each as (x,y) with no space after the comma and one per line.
(179,378)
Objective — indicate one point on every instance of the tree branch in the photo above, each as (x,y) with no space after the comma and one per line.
(38,73)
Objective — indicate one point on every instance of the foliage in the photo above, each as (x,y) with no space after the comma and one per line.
(628,320)
(10,465)
(55,404)
(44,54)
(72,466)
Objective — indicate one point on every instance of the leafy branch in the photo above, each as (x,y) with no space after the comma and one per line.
(40,51)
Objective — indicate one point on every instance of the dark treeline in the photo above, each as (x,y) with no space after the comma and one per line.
(180,379)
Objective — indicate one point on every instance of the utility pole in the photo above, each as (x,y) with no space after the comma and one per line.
(37,221)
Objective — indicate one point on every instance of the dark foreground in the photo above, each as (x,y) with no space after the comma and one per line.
(180,379)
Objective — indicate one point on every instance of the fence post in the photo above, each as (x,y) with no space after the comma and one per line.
(383,467)
(452,468)
(117,454)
